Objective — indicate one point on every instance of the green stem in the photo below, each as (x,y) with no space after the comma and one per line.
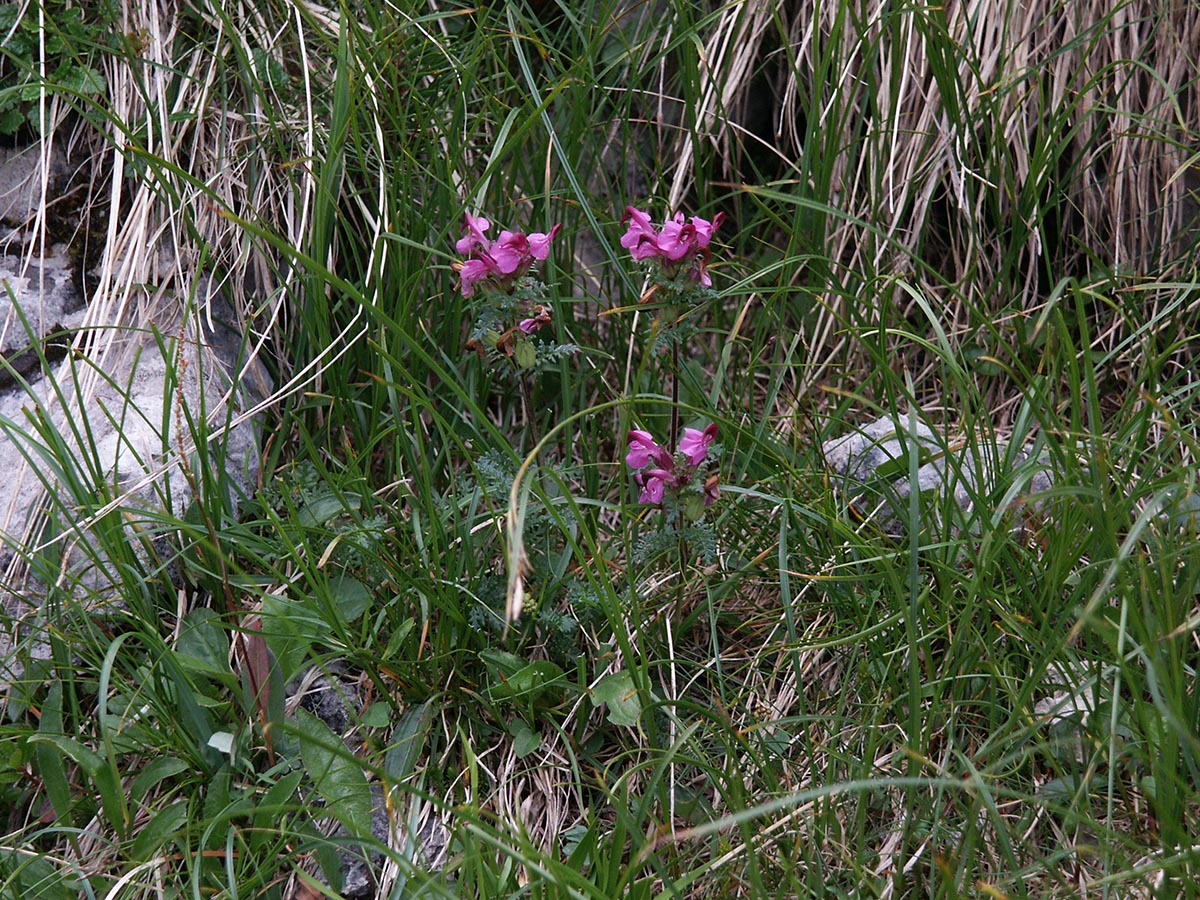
(674,442)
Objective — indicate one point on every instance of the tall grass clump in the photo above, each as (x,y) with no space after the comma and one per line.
(547,585)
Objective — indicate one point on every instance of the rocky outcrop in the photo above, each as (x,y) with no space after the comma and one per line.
(100,416)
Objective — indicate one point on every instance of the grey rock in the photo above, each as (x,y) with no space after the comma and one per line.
(39,296)
(360,871)
(100,417)
(21,181)
(872,469)
(333,699)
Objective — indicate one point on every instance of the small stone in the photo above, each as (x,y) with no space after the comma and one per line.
(873,465)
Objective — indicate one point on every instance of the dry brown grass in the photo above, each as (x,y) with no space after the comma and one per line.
(980,151)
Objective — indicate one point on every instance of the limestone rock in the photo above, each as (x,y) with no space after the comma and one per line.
(21,181)
(101,410)
(871,467)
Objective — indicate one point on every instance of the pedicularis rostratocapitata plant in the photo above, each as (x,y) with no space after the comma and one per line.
(509,306)
(508,301)
(676,256)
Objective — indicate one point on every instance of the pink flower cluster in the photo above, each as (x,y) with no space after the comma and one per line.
(678,243)
(663,472)
(502,261)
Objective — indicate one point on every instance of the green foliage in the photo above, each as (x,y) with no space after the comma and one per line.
(51,46)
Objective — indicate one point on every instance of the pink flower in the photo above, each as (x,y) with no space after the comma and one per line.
(643,450)
(694,444)
(679,241)
(475,226)
(654,483)
(474,270)
(664,474)
(500,262)
(510,251)
(540,317)
(539,243)
(640,239)
(705,228)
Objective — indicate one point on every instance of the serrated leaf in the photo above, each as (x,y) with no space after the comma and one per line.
(10,121)
(337,776)
(81,80)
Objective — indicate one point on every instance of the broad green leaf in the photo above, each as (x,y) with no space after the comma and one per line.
(50,758)
(203,644)
(1149,787)
(33,878)
(408,743)
(281,792)
(352,597)
(85,757)
(155,772)
(377,715)
(515,678)
(525,739)
(195,720)
(502,661)
(271,806)
(619,693)
(288,630)
(981,360)
(1059,790)
(399,636)
(336,774)
(104,778)
(323,507)
(218,795)
(164,825)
